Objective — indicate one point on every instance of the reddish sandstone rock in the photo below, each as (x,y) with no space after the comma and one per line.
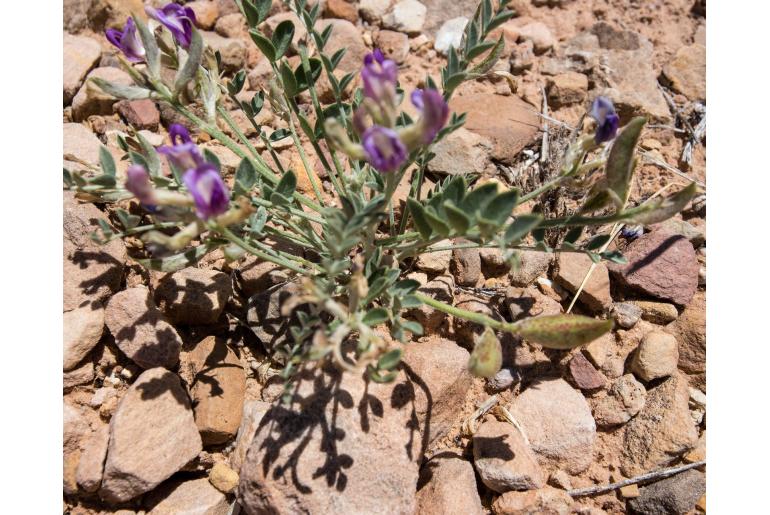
(584,374)
(662,265)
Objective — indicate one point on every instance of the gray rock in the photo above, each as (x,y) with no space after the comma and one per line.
(557,421)
(141,332)
(232,50)
(504,460)
(435,261)
(81,375)
(374,10)
(572,270)
(395,45)
(80,143)
(441,288)
(152,436)
(80,55)
(541,36)
(626,314)
(75,433)
(75,16)
(674,495)
(253,412)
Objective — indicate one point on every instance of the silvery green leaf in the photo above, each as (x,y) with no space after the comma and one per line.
(245,176)
(188,70)
(152,53)
(287,184)
(282,36)
(178,261)
(106,161)
(620,162)
(212,158)
(664,209)
(150,155)
(521,226)
(127,220)
(457,218)
(500,207)
(233,252)
(121,91)
(288,79)
(390,359)
(376,316)
(562,331)
(420,220)
(484,66)
(264,44)
(236,84)
(479,197)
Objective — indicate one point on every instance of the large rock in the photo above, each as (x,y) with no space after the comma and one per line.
(91,272)
(265,316)
(460,153)
(194,497)
(91,100)
(687,72)
(507,121)
(661,431)
(572,270)
(91,465)
(75,433)
(218,388)
(193,296)
(676,494)
(450,34)
(344,445)
(80,55)
(690,331)
(504,460)
(557,421)
(662,265)
(152,436)
(438,392)
(448,485)
(83,327)
(141,331)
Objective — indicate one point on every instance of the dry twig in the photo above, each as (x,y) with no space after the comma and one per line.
(658,474)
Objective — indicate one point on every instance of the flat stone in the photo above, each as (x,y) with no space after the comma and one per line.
(687,72)
(544,500)
(676,494)
(659,313)
(344,445)
(529,302)
(532,264)
(140,114)
(81,53)
(83,328)
(217,389)
(696,234)
(193,296)
(461,152)
(407,16)
(91,100)
(447,484)
(253,412)
(557,421)
(255,276)
(662,265)
(437,261)
(91,465)
(572,270)
(567,88)
(598,349)
(265,315)
(503,459)
(232,25)
(152,436)
(584,374)
(656,357)
(661,431)
(625,398)
(196,496)
(507,121)
(141,331)
(91,272)
(84,374)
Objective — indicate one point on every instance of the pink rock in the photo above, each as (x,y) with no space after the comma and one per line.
(584,374)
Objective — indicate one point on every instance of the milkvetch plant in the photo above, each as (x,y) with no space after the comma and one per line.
(354,246)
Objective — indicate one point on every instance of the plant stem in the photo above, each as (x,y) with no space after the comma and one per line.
(467,315)
(227,233)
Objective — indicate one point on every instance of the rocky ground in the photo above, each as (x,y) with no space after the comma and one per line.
(169,400)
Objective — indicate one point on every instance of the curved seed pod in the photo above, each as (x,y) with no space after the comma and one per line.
(562,331)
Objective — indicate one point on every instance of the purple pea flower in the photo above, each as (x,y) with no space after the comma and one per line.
(384,150)
(379,76)
(434,109)
(183,153)
(138,183)
(127,41)
(208,190)
(607,120)
(177,19)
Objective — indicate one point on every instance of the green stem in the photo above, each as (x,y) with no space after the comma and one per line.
(467,315)
(542,189)
(227,233)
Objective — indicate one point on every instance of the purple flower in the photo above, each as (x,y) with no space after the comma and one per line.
(183,153)
(632,232)
(434,109)
(607,120)
(209,192)
(379,76)
(179,20)
(384,150)
(127,41)
(138,183)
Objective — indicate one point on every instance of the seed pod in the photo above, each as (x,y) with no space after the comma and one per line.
(487,356)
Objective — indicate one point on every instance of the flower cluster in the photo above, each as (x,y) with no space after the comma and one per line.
(177,19)
(384,146)
(210,194)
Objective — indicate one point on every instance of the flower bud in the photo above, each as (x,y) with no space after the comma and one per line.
(384,150)
(607,120)
(487,356)
(434,112)
(127,41)
(379,76)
